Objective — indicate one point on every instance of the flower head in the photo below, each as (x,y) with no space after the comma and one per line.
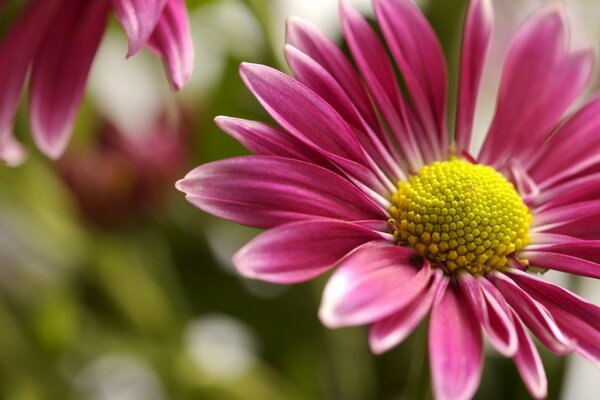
(57,40)
(366,181)
(121,178)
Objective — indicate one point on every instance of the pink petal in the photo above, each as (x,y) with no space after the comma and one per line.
(455,347)
(267,191)
(572,148)
(60,72)
(138,18)
(308,39)
(578,318)
(475,47)
(535,315)
(570,82)
(378,73)
(300,251)
(419,57)
(266,140)
(538,66)
(290,102)
(390,331)
(371,284)
(586,228)
(12,152)
(585,249)
(172,41)
(310,73)
(528,362)
(18,48)
(584,188)
(539,239)
(547,219)
(491,311)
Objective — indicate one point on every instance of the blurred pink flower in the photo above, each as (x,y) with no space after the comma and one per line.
(119,178)
(57,40)
(363,179)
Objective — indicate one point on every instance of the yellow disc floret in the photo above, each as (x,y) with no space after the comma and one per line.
(461,216)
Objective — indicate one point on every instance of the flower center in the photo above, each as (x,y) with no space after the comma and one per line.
(461,216)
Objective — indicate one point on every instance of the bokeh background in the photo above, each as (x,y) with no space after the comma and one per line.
(113,287)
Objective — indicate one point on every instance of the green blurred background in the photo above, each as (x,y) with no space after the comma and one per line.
(113,287)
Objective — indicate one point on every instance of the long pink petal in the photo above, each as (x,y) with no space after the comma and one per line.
(419,57)
(538,66)
(586,228)
(491,311)
(555,217)
(378,73)
(265,140)
(313,75)
(475,48)
(584,188)
(577,317)
(17,50)
(290,103)
(267,191)
(584,249)
(60,72)
(308,39)
(138,18)
(371,284)
(534,314)
(390,331)
(173,42)
(455,347)
(572,148)
(528,362)
(300,251)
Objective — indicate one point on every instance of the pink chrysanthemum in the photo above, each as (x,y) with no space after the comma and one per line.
(57,40)
(365,181)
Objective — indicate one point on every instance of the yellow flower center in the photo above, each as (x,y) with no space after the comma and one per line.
(461,216)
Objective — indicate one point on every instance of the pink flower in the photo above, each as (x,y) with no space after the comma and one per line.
(120,178)
(362,180)
(57,40)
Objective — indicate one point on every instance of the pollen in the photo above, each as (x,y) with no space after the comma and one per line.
(461,216)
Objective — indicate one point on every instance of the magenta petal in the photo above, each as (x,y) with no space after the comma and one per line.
(475,47)
(172,40)
(60,71)
(572,148)
(584,188)
(528,362)
(419,57)
(12,152)
(555,217)
(455,347)
(577,317)
(138,18)
(492,312)
(371,284)
(18,48)
(562,262)
(310,73)
(300,251)
(537,56)
(584,249)
(378,73)
(534,314)
(388,332)
(308,39)
(266,140)
(289,103)
(267,191)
